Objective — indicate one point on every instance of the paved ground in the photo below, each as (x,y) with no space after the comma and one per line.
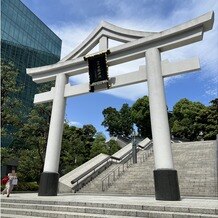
(142,200)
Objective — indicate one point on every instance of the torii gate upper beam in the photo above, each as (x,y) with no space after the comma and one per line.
(187,33)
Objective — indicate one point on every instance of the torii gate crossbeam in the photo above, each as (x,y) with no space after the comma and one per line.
(168,69)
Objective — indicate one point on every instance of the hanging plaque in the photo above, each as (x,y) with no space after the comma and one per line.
(98,72)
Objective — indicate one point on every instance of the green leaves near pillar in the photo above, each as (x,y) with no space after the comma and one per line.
(118,123)
(11,106)
(189,119)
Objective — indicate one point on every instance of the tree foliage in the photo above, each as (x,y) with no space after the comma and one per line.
(80,145)
(118,122)
(34,132)
(76,146)
(11,106)
(207,121)
(7,154)
(29,165)
(186,120)
(99,145)
(112,147)
(112,121)
(126,120)
(141,116)
(184,117)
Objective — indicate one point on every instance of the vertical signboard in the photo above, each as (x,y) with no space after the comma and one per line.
(98,72)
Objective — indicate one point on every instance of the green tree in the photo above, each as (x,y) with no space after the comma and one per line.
(207,121)
(29,166)
(141,116)
(118,123)
(71,146)
(113,147)
(99,145)
(34,133)
(88,133)
(7,154)
(126,120)
(76,146)
(11,106)
(112,121)
(185,115)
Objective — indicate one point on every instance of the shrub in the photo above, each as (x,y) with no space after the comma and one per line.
(2,187)
(26,186)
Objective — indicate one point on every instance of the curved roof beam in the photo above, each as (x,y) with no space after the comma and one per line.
(109,30)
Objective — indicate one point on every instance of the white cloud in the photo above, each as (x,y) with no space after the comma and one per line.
(131,92)
(212,92)
(83,78)
(75,123)
(72,35)
(207,50)
(212,88)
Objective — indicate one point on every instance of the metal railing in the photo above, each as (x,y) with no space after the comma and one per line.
(113,175)
(148,151)
(89,175)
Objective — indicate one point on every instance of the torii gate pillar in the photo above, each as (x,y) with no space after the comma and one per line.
(165,177)
(50,176)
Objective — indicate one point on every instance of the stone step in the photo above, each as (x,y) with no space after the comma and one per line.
(74,209)
(18,216)
(114,213)
(153,214)
(71,205)
(103,210)
(59,214)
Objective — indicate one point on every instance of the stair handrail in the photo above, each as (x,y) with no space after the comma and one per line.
(128,162)
(92,170)
(149,150)
(106,182)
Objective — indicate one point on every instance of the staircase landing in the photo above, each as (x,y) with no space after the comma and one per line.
(75,205)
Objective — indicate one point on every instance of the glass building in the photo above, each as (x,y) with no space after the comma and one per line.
(26,42)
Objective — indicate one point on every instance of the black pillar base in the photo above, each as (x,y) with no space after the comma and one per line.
(48,184)
(166,185)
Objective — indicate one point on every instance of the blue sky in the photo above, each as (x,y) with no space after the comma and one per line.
(73,21)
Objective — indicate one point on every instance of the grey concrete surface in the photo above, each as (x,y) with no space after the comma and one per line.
(196,202)
(107,206)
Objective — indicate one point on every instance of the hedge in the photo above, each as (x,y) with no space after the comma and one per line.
(24,186)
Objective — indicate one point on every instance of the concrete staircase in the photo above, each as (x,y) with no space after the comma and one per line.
(137,180)
(17,208)
(196,163)
(95,185)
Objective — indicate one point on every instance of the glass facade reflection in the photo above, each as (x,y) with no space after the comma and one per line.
(27,42)
(22,26)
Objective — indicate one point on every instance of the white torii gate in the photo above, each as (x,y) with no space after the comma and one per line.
(137,44)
